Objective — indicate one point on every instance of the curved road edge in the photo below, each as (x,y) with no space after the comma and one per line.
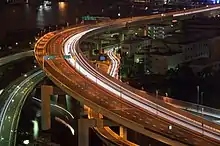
(14,57)
(11,110)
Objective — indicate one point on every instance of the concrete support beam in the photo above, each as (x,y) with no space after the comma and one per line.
(83,130)
(122,37)
(123,132)
(145,30)
(98,46)
(46,92)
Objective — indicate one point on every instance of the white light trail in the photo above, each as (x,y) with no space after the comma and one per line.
(66,124)
(57,107)
(196,11)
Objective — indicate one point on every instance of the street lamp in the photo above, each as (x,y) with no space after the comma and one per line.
(197,97)
(132,8)
(201,102)
(202,109)
(162,15)
(157,92)
(202,93)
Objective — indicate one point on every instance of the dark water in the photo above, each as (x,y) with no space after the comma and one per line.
(25,17)
(15,18)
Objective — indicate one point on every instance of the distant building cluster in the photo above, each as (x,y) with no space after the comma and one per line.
(166,47)
(162,2)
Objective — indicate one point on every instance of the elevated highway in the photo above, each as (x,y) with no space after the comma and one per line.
(106,132)
(13,99)
(117,101)
(14,57)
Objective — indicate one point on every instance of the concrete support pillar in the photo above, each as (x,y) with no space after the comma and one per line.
(98,44)
(145,30)
(46,92)
(123,132)
(122,37)
(83,131)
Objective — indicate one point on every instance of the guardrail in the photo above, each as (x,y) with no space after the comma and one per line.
(201,109)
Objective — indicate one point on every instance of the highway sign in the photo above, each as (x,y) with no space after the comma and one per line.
(49,57)
(67,57)
(88,18)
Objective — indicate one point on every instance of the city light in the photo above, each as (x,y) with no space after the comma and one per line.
(26,142)
(62,6)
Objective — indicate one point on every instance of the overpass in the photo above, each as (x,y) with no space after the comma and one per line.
(14,57)
(113,69)
(12,101)
(118,101)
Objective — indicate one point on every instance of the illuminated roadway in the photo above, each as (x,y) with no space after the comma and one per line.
(115,100)
(10,112)
(106,132)
(113,71)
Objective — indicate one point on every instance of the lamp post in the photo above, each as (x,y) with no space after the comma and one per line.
(197,98)
(157,92)
(201,102)
(202,93)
